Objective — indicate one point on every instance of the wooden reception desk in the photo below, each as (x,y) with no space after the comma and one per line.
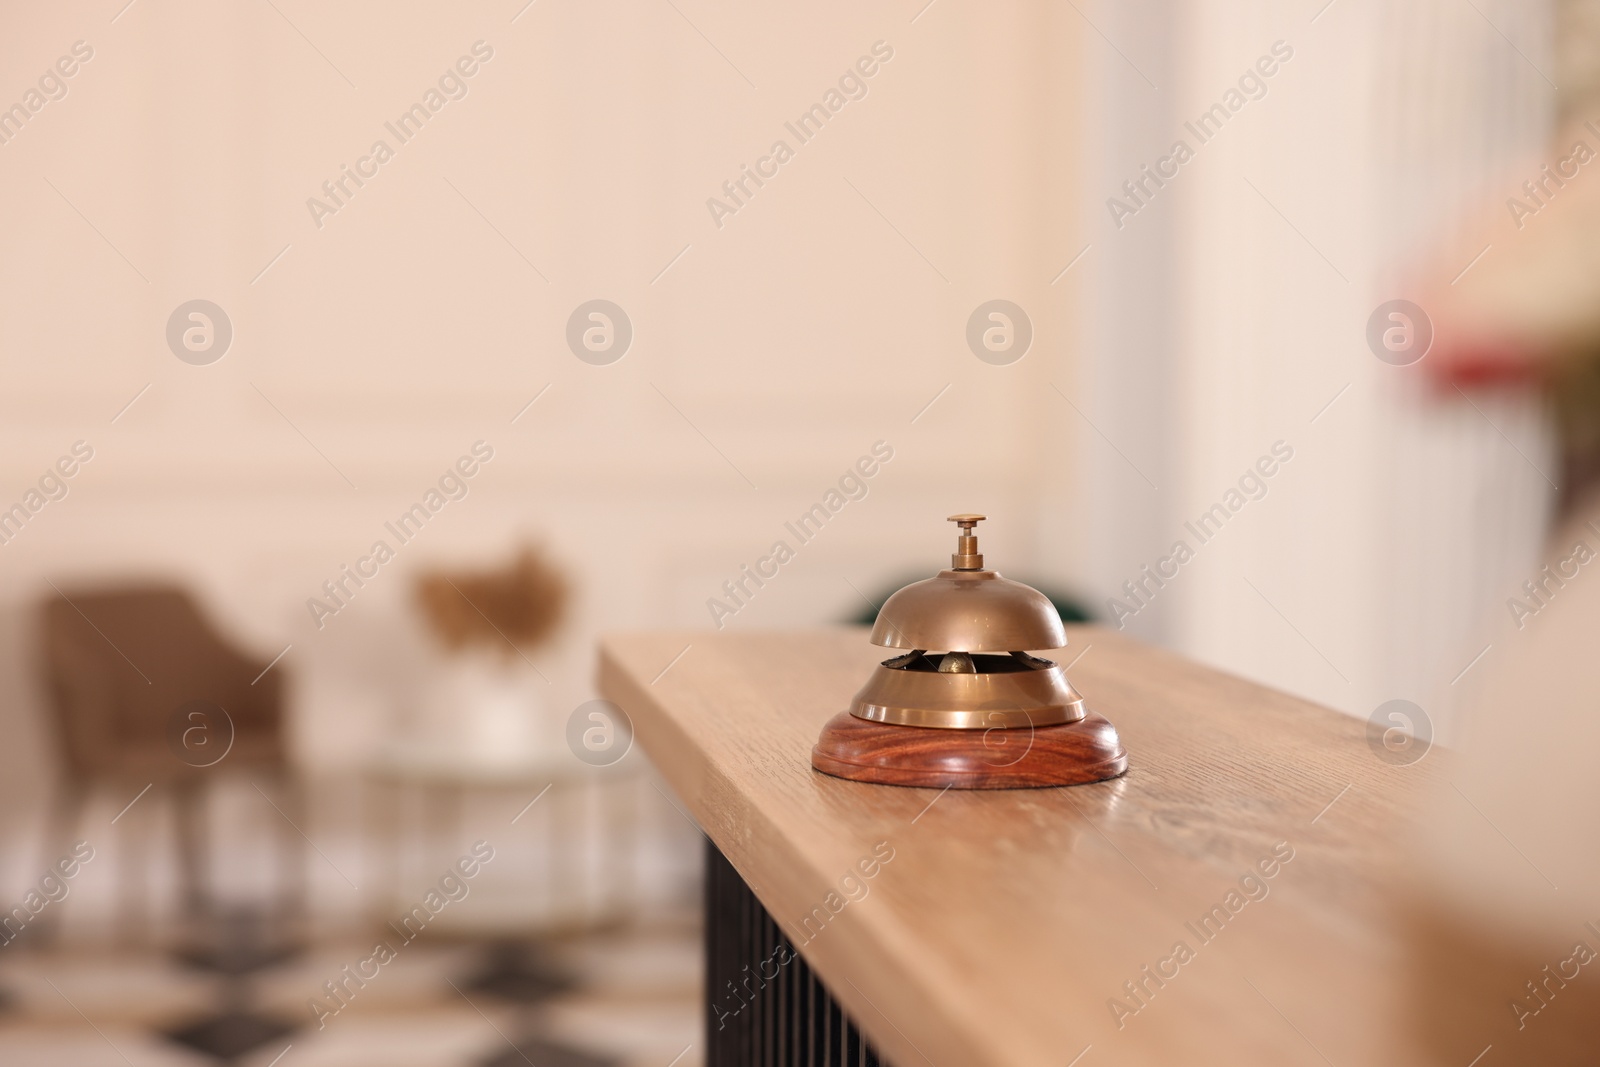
(1228,901)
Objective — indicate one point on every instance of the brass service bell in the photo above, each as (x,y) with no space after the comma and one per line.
(968,705)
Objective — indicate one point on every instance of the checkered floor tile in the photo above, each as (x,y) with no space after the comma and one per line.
(622,999)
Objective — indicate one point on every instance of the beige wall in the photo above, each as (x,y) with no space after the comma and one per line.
(415,320)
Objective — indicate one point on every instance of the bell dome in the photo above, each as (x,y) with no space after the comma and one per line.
(969,609)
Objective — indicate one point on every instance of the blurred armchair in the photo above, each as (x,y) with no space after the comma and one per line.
(145,692)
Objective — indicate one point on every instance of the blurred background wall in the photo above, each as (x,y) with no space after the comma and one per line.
(1228,314)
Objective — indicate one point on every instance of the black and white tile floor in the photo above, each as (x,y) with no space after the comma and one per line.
(627,998)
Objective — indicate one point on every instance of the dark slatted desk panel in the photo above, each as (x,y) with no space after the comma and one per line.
(786,1020)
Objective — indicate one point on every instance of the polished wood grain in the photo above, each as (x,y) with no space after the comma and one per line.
(1035,757)
(1007,921)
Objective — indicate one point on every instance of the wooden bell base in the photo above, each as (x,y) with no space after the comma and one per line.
(1070,754)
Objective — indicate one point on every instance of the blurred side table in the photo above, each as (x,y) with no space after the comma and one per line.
(583,819)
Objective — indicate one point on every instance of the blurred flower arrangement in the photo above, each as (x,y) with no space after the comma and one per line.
(487,702)
(503,608)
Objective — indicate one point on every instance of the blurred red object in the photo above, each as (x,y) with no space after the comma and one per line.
(1518,300)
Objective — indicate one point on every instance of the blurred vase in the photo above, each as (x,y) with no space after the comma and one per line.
(484,707)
